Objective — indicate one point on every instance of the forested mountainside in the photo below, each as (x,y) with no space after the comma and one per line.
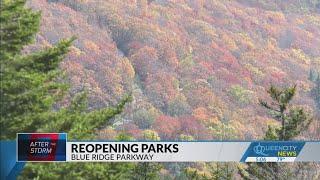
(195,70)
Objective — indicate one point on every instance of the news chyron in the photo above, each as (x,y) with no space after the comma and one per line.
(40,147)
(49,147)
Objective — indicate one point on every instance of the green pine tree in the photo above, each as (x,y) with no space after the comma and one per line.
(147,170)
(18,27)
(31,84)
(193,174)
(214,171)
(293,121)
(221,171)
(23,91)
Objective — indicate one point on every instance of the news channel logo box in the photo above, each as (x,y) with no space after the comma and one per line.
(41,147)
(274,149)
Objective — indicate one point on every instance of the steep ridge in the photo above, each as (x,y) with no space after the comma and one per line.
(194,69)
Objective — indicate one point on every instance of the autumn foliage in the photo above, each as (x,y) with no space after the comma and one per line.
(197,65)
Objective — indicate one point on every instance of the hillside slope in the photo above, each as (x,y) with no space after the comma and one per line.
(195,69)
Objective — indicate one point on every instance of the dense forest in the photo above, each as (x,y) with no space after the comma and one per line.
(167,70)
(201,64)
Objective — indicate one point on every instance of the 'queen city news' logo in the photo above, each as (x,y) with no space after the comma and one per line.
(272,151)
(276,149)
(41,146)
